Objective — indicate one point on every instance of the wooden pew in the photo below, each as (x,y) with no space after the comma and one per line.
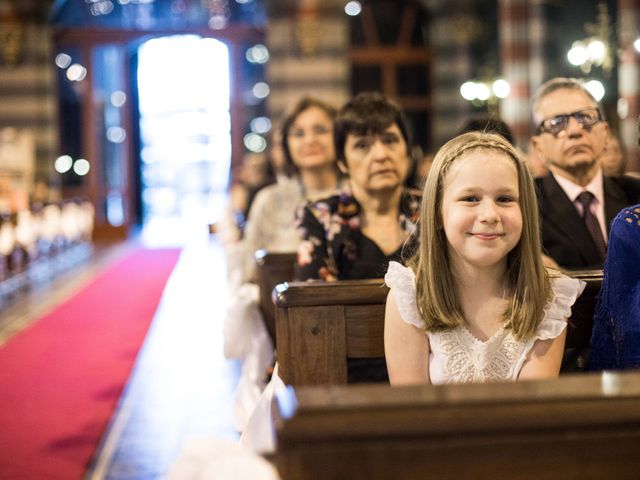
(576,349)
(271,270)
(583,426)
(320,325)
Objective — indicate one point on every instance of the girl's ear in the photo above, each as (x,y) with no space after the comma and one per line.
(343,167)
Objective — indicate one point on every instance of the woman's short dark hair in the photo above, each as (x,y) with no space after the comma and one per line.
(368,113)
(303,104)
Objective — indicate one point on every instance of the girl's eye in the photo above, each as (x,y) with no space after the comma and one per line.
(505,199)
(320,130)
(470,198)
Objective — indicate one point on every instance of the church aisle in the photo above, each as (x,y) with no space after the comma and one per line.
(182,386)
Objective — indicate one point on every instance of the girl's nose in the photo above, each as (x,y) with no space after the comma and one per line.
(488,211)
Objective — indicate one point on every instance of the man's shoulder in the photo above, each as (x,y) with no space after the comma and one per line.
(628,184)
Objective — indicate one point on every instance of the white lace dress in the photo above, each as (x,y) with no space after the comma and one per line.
(457,356)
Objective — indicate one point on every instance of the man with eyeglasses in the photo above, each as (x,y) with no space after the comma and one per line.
(577,201)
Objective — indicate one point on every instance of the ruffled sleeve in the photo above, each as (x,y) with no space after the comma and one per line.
(402,282)
(565,292)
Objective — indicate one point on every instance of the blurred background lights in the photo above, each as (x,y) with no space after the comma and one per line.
(76,72)
(468,90)
(218,22)
(261,90)
(353,8)
(636,44)
(596,89)
(118,98)
(260,125)
(485,91)
(63,163)
(588,53)
(257,54)
(501,88)
(63,60)
(81,167)
(255,143)
(482,91)
(104,7)
(596,50)
(116,134)
(578,54)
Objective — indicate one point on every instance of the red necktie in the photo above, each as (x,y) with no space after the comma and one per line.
(591,222)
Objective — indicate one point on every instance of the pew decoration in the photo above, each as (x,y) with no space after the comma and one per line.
(249,329)
(39,243)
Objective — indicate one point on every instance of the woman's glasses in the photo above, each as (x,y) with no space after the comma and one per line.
(587,118)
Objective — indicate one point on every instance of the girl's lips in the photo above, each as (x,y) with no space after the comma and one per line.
(487,236)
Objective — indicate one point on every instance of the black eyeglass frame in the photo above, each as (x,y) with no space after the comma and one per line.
(566,116)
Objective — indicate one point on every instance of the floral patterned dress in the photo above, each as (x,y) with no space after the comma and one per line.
(333,246)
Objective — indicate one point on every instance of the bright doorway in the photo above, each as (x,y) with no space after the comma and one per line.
(185,135)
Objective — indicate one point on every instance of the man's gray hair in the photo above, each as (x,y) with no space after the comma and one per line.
(554,84)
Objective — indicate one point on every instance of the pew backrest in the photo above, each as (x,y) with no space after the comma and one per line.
(272,269)
(577,426)
(321,325)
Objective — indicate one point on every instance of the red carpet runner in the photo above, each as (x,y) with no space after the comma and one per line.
(61,378)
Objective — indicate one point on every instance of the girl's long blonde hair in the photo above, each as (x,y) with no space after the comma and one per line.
(526,278)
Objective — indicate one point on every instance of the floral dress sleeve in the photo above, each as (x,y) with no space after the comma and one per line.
(314,260)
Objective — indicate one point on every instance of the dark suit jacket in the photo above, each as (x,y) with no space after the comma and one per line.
(565,238)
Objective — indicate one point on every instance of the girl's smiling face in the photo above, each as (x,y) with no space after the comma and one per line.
(481,214)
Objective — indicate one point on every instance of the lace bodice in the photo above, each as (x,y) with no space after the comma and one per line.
(457,356)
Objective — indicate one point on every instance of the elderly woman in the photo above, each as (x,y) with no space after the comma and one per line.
(354,234)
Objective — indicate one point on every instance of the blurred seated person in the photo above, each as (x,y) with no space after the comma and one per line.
(254,174)
(422,164)
(613,159)
(312,173)
(310,161)
(354,235)
(615,343)
(577,201)
(281,167)
(41,194)
(487,124)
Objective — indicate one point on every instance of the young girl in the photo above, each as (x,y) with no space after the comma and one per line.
(476,304)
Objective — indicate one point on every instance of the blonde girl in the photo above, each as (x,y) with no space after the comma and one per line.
(475,303)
